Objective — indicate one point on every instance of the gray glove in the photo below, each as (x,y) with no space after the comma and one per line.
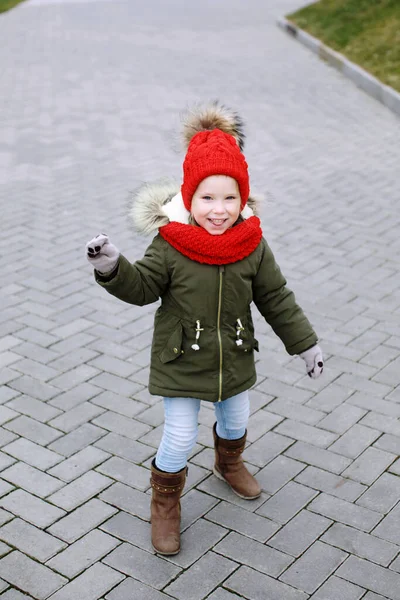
(314,361)
(102,254)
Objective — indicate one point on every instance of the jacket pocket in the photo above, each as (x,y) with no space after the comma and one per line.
(245,340)
(173,347)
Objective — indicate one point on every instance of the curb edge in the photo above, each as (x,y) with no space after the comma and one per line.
(359,76)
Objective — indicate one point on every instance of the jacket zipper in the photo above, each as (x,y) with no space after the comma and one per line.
(221,269)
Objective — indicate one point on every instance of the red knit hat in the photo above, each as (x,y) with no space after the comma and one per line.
(213,153)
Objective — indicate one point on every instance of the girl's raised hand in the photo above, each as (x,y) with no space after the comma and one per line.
(314,361)
(102,254)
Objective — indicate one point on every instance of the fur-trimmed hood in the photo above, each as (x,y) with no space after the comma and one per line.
(159,203)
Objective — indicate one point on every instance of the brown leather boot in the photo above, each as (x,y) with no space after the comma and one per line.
(166,510)
(229,467)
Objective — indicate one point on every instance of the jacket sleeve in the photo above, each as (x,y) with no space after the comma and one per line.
(142,282)
(278,306)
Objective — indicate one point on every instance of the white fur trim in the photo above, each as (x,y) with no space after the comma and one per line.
(175,210)
(247,212)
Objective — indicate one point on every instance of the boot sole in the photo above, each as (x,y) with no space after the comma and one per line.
(222,478)
(166,553)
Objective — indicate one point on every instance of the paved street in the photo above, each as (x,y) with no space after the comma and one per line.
(90,97)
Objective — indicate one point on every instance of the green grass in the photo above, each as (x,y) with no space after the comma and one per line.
(367,32)
(7,4)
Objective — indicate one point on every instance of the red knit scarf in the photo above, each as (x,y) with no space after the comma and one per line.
(199,245)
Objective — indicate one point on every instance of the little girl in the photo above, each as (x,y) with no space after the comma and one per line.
(207,263)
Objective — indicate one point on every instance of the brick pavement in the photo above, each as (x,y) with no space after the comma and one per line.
(89,101)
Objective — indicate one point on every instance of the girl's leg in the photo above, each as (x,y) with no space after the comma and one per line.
(229,442)
(180,433)
(232,416)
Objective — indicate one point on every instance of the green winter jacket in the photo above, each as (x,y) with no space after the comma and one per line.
(213,298)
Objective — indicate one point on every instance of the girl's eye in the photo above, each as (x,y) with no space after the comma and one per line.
(207,198)
(230,198)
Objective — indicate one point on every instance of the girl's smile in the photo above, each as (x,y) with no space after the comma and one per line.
(216,204)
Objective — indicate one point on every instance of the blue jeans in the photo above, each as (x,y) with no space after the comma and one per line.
(181,425)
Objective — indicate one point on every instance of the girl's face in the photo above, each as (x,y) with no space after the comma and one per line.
(216,204)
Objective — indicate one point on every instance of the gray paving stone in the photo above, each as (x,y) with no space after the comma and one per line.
(382,495)
(345,512)
(329,398)
(5,488)
(314,567)
(79,491)
(6,437)
(81,393)
(7,394)
(83,553)
(82,520)
(30,540)
(33,430)
(389,527)
(141,565)
(129,528)
(131,588)
(31,479)
(77,440)
(236,518)
(277,473)
(306,433)
(375,404)
(201,578)
(5,461)
(129,500)
(370,576)
(125,448)
(216,487)
(388,442)
(4,549)
(370,465)
(33,454)
(266,448)
(119,424)
(295,411)
(355,441)
(395,565)
(109,382)
(119,404)
(342,418)
(31,509)
(194,505)
(196,541)
(287,502)
(29,576)
(281,390)
(336,588)
(92,584)
(254,554)
(382,423)
(6,414)
(372,596)
(362,544)
(126,472)
(302,531)
(363,385)
(318,457)
(79,463)
(76,416)
(257,586)
(195,475)
(332,484)
(33,387)
(5,517)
